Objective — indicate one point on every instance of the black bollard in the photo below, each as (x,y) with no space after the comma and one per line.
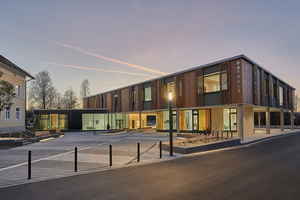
(110,155)
(138,152)
(160,149)
(75,168)
(29,164)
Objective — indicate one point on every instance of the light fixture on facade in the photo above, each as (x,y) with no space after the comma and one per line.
(170,95)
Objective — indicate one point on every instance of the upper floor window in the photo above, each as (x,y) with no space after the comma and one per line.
(281,96)
(116,99)
(134,96)
(147,94)
(18,90)
(274,90)
(169,88)
(200,84)
(212,82)
(18,113)
(8,114)
(266,87)
(224,80)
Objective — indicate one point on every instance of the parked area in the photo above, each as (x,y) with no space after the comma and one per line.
(55,156)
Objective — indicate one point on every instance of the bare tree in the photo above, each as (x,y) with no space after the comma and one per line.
(85,88)
(6,93)
(58,101)
(70,99)
(297,103)
(41,91)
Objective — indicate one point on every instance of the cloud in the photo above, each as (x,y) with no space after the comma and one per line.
(79,67)
(95,55)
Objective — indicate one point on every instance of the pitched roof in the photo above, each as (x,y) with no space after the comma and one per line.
(15,67)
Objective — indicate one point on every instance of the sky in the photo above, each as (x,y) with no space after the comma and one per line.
(118,43)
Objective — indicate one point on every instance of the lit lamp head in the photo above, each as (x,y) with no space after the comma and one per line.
(170,95)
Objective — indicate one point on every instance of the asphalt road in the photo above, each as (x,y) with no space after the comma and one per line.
(265,171)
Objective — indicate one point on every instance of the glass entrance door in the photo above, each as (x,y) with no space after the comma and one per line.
(119,124)
(233,121)
(195,121)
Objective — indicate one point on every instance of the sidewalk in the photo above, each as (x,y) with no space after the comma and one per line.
(260,135)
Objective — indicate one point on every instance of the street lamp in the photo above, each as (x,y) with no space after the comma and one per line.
(171,123)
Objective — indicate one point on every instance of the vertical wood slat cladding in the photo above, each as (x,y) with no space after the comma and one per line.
(153,95)
(262,86)
(290,98)
(278,100)
(113,102)
(225,94)
(160,94)
(125,100)
(108,101)
(84,103)
(179,101)
(130,99)
(236,76)
(98,101)
(247,82)
(119,100)
(189,89)
(199,96)
(285,104)
(138,97)
(255,85)
(293,100)
(270,90)
(90,102)
(104,101)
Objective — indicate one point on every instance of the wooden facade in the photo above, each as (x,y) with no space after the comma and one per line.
(241,81)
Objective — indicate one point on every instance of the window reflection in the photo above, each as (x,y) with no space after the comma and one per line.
(212,82)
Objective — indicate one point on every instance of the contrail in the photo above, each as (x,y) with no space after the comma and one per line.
(79,67)
(98,56)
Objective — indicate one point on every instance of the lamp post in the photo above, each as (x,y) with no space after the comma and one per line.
(171,124)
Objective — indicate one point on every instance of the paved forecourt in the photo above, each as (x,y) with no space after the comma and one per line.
(55,157)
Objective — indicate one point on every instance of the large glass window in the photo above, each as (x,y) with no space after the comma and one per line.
(169,87)
(166,120)
(200,84)
(274,90)
(266,87)
(224,80)
(87,121)
(204,120)
(212,82)
(186,120)
(147,94)
(159,120)
(229,119)
(63,121)
(281,96)
(99,122)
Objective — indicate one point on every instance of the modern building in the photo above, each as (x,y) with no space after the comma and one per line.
(70,119)
(13,118)
(220,96)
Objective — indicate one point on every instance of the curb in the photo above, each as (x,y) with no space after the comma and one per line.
(275,137)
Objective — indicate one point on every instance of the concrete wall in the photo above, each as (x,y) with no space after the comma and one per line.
(217,119)
(248,120)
